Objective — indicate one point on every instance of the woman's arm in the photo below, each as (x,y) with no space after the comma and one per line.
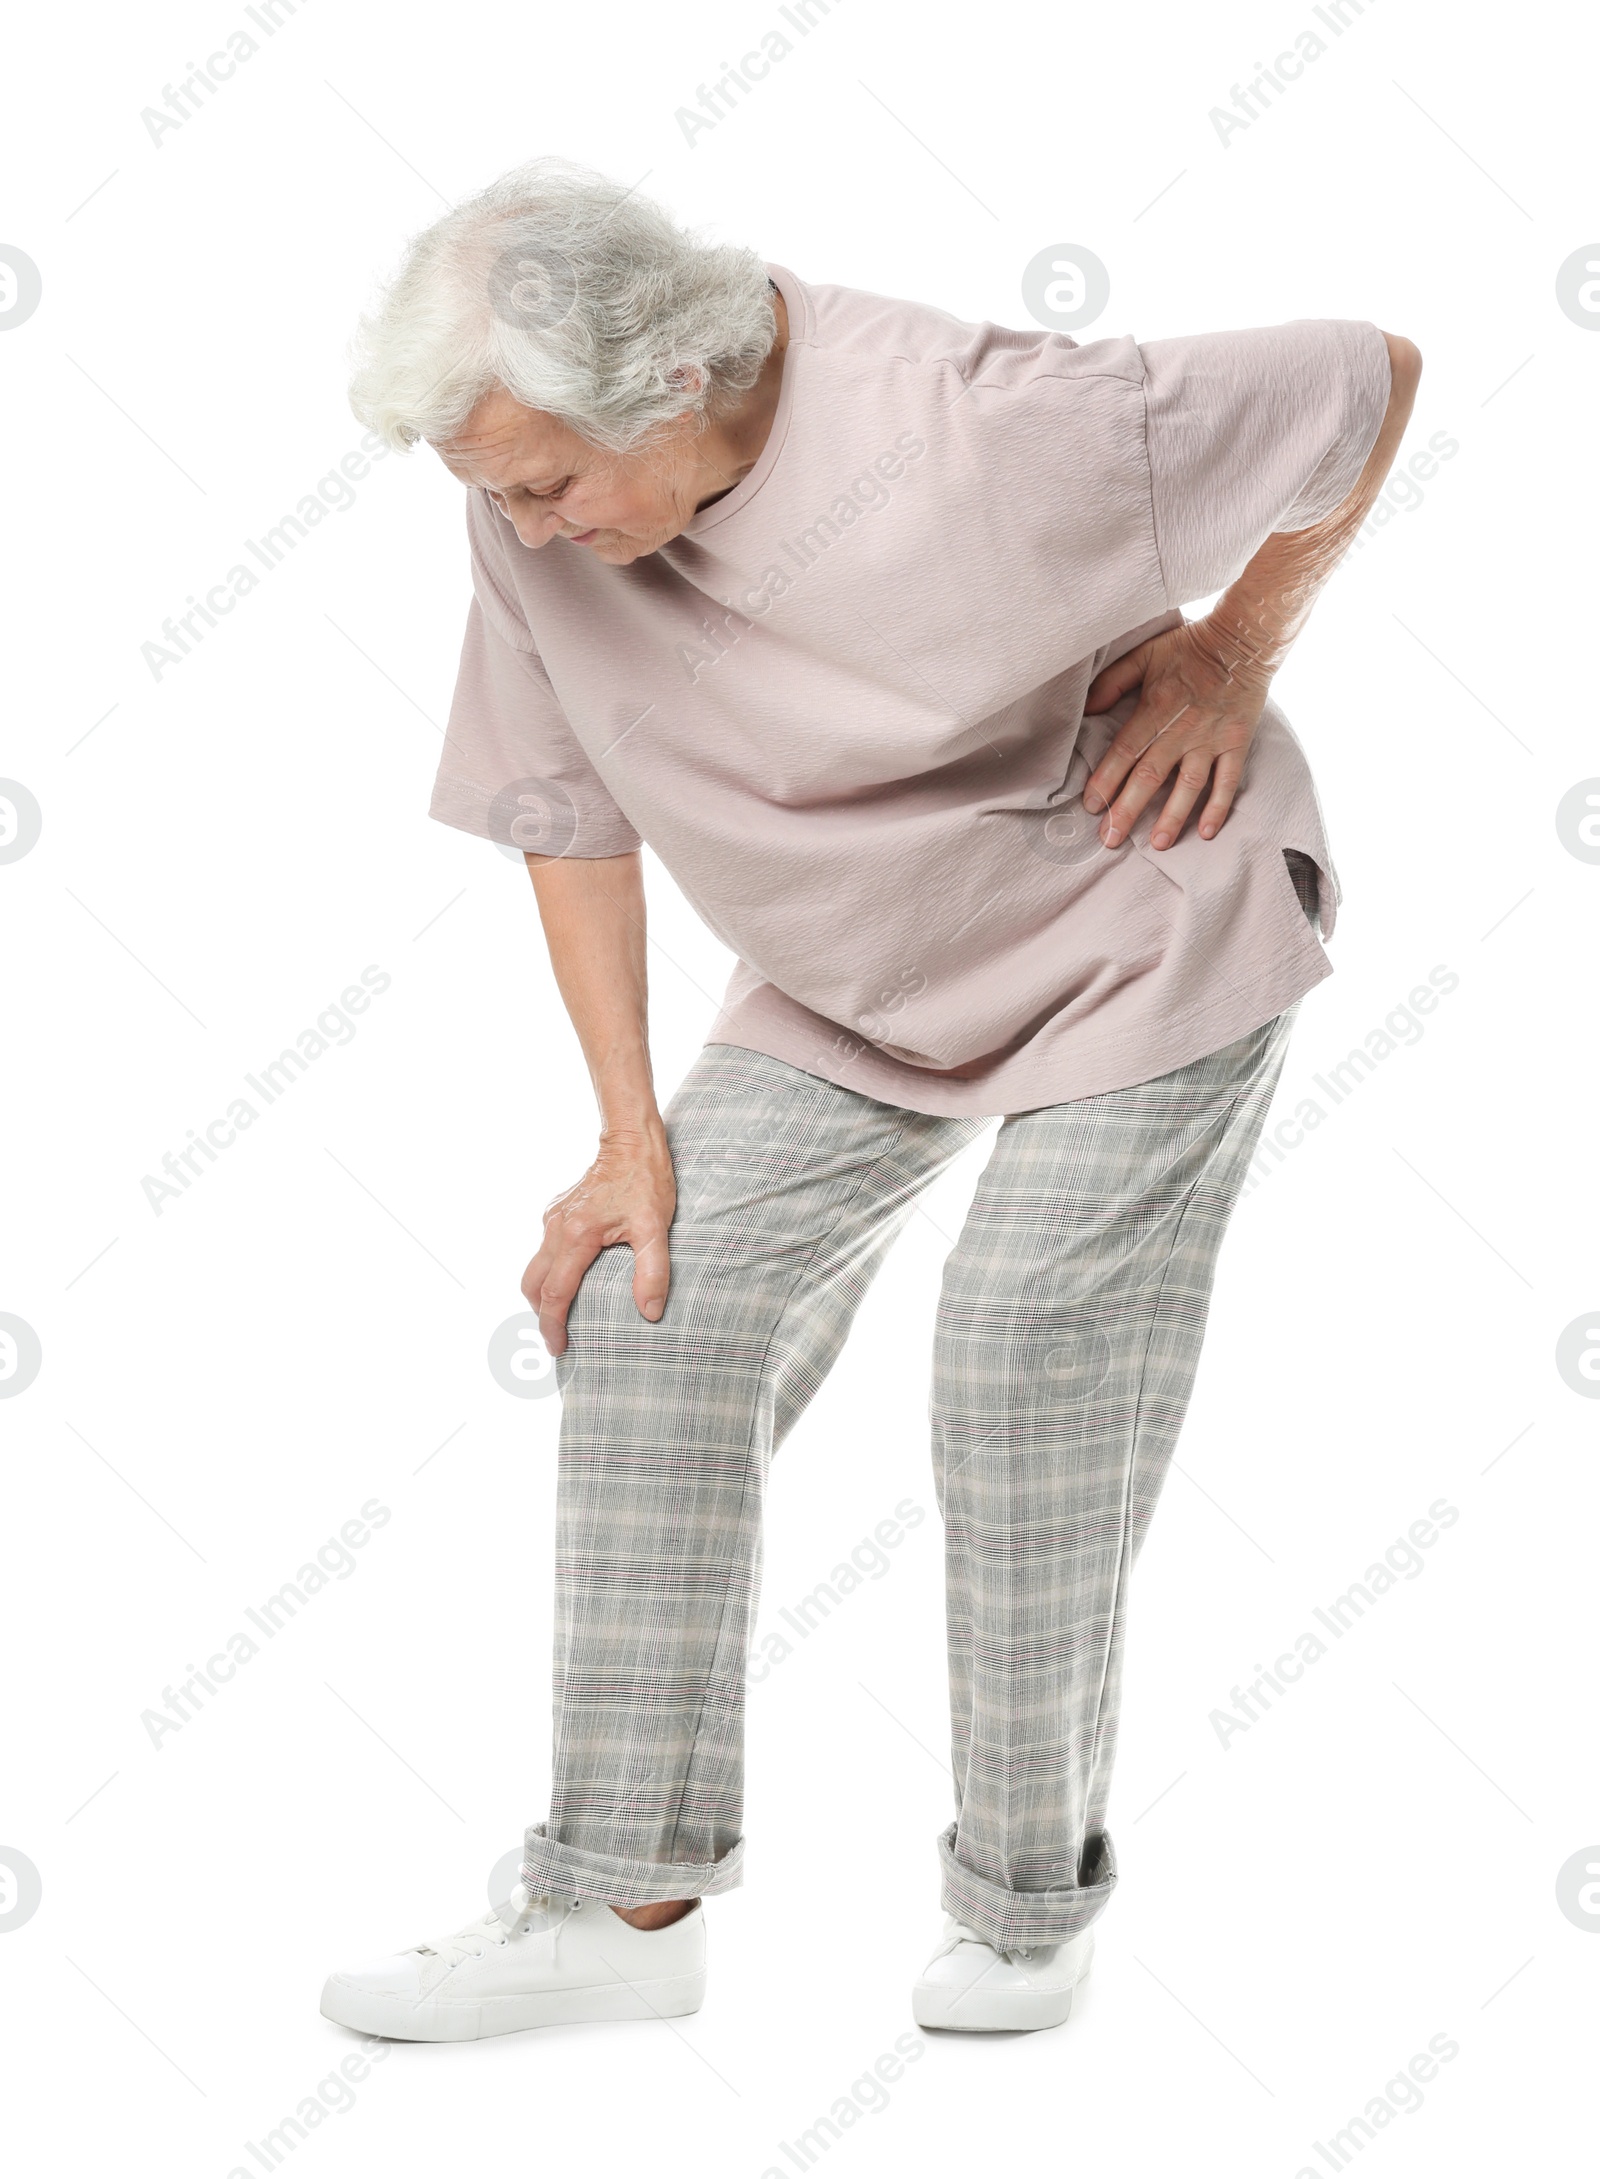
(593,914)
(1202,686)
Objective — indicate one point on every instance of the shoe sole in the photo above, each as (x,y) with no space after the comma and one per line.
(371,2014)
(976,2011)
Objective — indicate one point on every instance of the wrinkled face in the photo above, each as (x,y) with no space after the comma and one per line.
(551,484)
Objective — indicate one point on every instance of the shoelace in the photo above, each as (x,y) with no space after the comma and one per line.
(530,1917)
(960,1934)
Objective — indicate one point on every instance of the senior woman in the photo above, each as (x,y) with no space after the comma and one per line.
(867,619)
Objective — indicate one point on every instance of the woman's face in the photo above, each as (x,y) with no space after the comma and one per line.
(549,483)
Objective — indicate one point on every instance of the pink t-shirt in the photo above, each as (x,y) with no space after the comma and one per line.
(844,707)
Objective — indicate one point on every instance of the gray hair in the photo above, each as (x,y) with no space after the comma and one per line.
(578,297)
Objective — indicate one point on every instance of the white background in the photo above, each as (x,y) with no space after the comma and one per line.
(304,1328)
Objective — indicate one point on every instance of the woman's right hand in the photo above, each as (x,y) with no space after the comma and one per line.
(627,1195)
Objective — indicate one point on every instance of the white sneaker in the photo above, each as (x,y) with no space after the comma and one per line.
(558,1960)
(969,1983)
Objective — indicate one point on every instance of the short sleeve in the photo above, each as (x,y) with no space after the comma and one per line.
(512,769)
(1249,433)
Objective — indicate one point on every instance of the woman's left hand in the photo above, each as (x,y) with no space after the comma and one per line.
(1200,702)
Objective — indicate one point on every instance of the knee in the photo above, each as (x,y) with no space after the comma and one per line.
(1001,1361)
(602,1311)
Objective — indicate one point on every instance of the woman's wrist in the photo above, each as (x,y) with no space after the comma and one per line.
(624,1081)
(632,1125)
(1241,641)
(1252,626)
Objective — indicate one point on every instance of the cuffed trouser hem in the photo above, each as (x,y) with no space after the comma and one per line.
(574,1872)
(1012,1919)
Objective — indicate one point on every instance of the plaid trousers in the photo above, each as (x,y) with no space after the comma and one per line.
(1067,1338)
